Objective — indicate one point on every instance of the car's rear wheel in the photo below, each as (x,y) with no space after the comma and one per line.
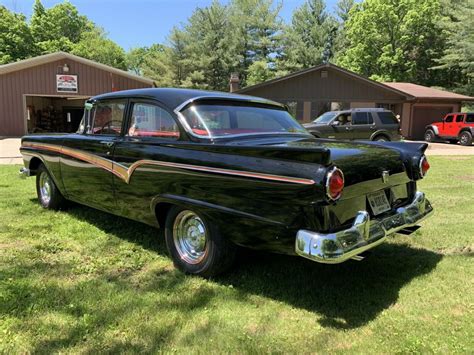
(195,245)
(465,138)
(48,194)
(381,138)
(429,135)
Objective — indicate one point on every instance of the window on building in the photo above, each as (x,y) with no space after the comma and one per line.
(149,120)
(108,117)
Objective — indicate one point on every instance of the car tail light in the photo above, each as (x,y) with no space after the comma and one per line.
(424,166)
(334,183)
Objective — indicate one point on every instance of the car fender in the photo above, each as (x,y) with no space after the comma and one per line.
(30,155)
(316,133)
(208,208)
(467,129)
(434,128)
(381,132)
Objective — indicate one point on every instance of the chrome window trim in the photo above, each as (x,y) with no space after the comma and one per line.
(189,130)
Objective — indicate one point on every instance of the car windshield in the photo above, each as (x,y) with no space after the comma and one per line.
(236,118)
(325,117)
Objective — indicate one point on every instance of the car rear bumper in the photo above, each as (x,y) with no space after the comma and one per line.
(364,234)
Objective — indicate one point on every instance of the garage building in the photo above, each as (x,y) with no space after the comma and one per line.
(47,93)
(311,92)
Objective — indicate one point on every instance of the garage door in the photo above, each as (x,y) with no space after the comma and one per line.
(423,116)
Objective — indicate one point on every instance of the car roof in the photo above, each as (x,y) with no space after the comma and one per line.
(173,98)
(370,109)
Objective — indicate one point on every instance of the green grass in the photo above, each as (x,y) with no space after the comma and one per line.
(85,281)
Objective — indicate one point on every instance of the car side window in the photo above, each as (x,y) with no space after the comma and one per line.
(108,117)
(449,119)
(459,118)
(150,120)
(387,118)
(470,118)
(359,118)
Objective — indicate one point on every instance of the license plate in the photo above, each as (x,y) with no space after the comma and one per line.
(378,202)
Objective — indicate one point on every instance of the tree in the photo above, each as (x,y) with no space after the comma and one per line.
(210,48)
(179,62)
(309,40)
(257,28)
(94,45)
(458,57)
(152,62)
(62,28)
(58,28)
(343,13)
(395,40)
(259,72)
(16,41)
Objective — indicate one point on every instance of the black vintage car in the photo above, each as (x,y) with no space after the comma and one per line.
(218,170)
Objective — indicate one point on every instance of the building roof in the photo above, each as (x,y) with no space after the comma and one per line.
(407,90)
(424,92)
(320,67)
(173,98)
(52,57)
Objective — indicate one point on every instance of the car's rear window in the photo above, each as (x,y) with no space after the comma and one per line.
(387,118)
(222,119)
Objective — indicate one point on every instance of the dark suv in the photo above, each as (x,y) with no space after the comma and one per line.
(374,124)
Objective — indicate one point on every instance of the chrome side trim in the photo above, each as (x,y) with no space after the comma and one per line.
(125,172)
(364,234)
(224,97)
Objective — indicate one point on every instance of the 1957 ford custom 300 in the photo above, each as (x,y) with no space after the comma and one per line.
(218,170)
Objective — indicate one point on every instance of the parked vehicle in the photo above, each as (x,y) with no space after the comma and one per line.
(219,170)
(375,124)
(455,127)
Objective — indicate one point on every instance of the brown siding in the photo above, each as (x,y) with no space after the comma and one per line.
(41,80)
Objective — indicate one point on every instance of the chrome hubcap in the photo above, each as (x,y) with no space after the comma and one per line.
(190,237)
(463,139)
(45,188)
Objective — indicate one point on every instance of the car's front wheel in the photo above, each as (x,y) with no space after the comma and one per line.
(195,245)
(48,194)
(465,138)
(429,135)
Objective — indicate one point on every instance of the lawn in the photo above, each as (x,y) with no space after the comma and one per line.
(85,281)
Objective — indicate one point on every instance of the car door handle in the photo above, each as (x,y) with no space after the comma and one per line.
(108,143)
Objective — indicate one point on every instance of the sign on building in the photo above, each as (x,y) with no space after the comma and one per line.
(66,83)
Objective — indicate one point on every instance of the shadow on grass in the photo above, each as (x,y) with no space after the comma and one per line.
(345,296)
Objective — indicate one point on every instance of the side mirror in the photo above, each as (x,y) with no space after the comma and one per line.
(398,117)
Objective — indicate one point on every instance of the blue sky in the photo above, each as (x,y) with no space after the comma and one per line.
(134,23)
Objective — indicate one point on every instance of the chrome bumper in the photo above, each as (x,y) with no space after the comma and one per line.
(364,234)
(24,173)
